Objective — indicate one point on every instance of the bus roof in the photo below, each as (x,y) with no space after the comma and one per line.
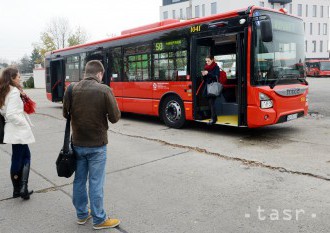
(165,25)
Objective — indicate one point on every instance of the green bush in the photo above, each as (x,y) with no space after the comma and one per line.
(29,83)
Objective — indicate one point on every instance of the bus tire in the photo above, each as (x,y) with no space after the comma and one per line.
(173,112)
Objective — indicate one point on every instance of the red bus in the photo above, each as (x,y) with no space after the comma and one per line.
(317,68)
(156,69)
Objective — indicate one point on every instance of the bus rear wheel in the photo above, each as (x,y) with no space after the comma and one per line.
(173,113)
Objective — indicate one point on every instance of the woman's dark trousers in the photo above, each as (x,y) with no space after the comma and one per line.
(212,107)
(20,170)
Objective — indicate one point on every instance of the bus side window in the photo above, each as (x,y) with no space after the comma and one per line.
(72,69)
(82,65)
(115,65)
(170,60)
(137,64)
(170,66)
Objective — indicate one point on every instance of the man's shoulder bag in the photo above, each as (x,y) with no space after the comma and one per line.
(66,160)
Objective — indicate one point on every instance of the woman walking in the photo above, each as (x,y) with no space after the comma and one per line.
(211,74)
(17,130)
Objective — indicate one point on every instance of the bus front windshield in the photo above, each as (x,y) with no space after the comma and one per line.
(325,66)
(281,60)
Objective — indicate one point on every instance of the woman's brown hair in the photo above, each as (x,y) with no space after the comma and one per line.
(211,57)
(6,80)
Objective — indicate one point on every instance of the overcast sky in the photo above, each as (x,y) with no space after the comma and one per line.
(21,21)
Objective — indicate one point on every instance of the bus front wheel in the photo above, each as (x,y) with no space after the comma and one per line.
(173,113)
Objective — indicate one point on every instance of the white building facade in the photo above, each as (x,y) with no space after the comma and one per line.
(39,78)
(315,14)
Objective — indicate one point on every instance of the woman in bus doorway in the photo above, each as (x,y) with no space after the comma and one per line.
(17,130)
(211,74)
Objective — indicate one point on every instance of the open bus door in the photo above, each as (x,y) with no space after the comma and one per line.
(228,51)
(57,72)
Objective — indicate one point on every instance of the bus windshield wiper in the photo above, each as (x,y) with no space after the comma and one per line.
(292,76)
(276,81)
(297,77)
(303,80)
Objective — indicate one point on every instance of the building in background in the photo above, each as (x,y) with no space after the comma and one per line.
(315,14)
(39,76)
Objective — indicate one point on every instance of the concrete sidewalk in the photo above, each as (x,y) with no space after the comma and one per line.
(155,188)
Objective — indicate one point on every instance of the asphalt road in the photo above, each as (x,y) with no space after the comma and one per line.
(319,95)
(197,179)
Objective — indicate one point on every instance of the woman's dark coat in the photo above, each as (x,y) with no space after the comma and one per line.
(212,76)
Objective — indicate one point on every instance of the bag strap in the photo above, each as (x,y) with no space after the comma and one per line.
(68,120)
(217,78)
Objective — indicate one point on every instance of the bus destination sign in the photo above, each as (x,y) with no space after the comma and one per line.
(170,45)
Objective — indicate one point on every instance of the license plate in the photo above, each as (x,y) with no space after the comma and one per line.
(292,117)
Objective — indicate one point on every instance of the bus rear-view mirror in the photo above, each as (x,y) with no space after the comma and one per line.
(266,30)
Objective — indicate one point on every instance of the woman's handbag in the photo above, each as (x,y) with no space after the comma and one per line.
(29,105)
(214,88)
(66,160)
(2,128)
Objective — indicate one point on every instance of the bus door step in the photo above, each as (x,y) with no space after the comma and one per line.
(231,120)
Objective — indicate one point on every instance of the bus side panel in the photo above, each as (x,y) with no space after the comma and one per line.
(137,97)
(324,73)
(313,72)
(117,91)
(155,107)
(188,106)
(137,105)
(49,96)
(183,89)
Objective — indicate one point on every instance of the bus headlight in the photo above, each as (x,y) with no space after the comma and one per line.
(265,101)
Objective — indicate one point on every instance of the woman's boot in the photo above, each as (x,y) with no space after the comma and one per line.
(212,121)
(16,180)
(215,119)
(24,192)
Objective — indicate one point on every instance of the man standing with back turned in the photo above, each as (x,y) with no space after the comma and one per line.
(92,105)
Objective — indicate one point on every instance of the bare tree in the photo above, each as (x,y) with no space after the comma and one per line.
(80,36)
(59,30)
(59,34)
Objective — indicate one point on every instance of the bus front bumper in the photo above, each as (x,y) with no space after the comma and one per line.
(261,117)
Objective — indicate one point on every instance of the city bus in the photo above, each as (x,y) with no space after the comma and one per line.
(318,68)
(156,69)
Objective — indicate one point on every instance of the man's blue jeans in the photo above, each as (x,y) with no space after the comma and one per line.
(90,161)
